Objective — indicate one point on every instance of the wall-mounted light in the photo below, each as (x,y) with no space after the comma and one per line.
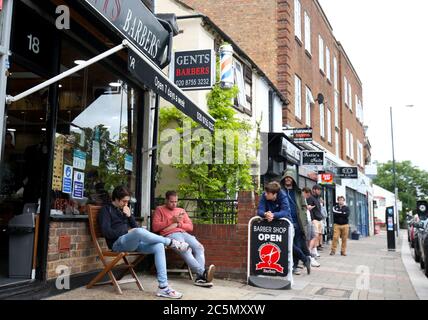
(11,130)
(115,84)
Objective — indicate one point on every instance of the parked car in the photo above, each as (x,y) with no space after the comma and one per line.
(423,244)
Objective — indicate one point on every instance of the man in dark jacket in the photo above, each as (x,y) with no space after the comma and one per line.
(119,228)
(299,220)
(314,206)
(274,203)
(341,225)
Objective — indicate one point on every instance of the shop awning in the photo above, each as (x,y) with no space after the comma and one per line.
(147,73)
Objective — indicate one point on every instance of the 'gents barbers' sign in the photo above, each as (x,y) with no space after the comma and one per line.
(160,84)
(136,23)
(194,69)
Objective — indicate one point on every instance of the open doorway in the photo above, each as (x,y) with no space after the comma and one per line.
(24,161)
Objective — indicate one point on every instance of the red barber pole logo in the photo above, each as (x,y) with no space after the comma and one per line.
(269,254)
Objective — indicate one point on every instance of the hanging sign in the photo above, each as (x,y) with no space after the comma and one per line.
(347,172)
(312,158)
(193,70)
(161,85)
(79,160)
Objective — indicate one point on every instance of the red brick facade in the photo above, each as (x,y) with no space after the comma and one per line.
(265,31)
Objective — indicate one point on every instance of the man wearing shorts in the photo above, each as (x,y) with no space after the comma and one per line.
(314,206)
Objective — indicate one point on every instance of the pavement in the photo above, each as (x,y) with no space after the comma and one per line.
(368,272)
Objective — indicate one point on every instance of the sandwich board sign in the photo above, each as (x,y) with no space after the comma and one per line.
(270,254)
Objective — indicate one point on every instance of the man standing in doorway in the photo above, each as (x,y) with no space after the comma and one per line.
(341,225)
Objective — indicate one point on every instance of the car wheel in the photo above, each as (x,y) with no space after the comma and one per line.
(417,253)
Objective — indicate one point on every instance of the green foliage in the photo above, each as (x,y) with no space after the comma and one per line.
(213,181)
(412,183)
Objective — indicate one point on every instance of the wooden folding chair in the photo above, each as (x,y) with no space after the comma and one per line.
(95,230)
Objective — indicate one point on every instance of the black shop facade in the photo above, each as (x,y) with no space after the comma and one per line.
(80,117)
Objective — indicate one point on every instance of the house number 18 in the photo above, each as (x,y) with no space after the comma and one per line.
(34,44)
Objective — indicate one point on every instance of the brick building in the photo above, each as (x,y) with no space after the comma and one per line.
(293,42)
(301,69)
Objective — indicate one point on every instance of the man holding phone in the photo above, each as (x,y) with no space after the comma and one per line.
(122,233)
(173,222)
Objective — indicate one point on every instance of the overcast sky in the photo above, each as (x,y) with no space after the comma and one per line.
(387,43)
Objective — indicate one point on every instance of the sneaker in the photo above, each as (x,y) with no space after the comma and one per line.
(343,254)
(202,282)
(314,263)
(180,246)
(209,273)
(169,293)
(297,272)
(332,253)
(308,265)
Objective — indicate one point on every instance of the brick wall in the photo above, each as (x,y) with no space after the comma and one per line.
(225,245)
(81,258)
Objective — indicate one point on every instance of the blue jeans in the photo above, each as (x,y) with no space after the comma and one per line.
(300,250)
(141,240)
(194,258)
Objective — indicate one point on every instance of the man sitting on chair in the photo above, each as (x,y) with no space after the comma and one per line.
(173,222)
(122,234)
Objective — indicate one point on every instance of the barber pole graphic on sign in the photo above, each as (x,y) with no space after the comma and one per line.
(226,65)
(270,254)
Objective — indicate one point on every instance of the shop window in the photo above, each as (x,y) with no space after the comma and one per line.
(96,143)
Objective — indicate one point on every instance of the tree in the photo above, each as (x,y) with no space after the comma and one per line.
(412,183)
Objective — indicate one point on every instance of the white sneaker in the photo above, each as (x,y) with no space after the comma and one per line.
(169,293)
(180,246)
(314,263)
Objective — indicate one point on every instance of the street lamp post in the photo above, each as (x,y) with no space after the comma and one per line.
(395,173)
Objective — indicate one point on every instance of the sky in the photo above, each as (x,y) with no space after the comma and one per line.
(386,41)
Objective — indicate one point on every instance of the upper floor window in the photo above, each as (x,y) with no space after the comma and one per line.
(346,86)
(308,45)
(335,80)
(298,97)
(329,132)
(298,19)
(321,53)
(243,79)
(322,120)
(336,109)
(309,101)
(327,63)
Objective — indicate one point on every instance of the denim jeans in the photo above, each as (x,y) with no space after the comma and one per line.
(141,240)
(300,249)
(194,258)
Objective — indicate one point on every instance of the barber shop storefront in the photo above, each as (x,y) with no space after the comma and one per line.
(79,119)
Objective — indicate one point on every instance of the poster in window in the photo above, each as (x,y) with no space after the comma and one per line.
(95,153)
(79,160)
(78,185)
(129,160)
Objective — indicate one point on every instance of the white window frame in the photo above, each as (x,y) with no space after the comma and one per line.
(348,153)
(329,132)
(297,97)
(336,109)
(298,19)
(239,78)
(336,85)
(321,53)
(308,44)
(350,97)
(352,146)
(322,120)
(309,102)
(359,153)
(346,86)
(336,136)
(327,63)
